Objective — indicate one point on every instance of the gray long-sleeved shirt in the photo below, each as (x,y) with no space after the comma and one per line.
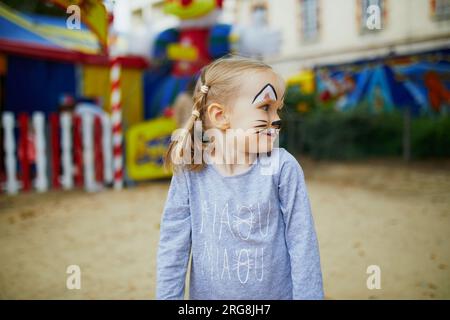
(252,235)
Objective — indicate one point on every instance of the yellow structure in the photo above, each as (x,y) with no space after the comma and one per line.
(305,80)
(147,143)
(96,83)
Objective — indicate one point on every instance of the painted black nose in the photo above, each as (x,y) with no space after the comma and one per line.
(276,124)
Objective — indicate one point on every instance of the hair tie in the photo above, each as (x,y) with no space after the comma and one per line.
(204,89)
(196,113)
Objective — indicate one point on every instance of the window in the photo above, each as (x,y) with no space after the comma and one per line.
(371,15)
(309,19)
(440,9)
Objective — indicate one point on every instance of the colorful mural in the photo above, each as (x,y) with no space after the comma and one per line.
(420,83)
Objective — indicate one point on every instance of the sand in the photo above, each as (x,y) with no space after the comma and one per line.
(380,213)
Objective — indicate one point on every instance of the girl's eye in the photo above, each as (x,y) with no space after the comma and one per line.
(265,107)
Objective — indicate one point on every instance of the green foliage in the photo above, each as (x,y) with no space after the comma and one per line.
(430,137)
(357,134)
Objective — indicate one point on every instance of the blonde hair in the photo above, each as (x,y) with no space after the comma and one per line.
(218,83)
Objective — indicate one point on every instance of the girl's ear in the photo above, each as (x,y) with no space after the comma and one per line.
(217,116)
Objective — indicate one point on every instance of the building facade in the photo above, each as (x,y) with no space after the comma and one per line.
(318,32)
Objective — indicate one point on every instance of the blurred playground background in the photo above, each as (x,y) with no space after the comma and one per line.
(90,92)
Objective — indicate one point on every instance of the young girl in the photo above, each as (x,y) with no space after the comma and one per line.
(247,222)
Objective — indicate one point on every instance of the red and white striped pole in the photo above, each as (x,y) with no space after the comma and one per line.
(98,149)
(24,152)
(77,150)
(116,117)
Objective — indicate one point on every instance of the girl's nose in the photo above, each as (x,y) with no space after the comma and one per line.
(276,124)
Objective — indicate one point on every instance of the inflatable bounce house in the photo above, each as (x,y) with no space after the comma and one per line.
(57,94)
(181,52)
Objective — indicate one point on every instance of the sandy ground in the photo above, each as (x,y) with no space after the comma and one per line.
(374,213)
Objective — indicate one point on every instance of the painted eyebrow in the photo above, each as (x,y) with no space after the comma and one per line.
(260,91)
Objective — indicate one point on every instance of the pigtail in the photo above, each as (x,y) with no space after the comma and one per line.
(182,148)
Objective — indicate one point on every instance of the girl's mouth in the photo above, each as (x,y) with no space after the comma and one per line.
(271,132)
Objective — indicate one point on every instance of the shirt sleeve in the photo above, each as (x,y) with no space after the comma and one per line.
(175,241)
(301,239)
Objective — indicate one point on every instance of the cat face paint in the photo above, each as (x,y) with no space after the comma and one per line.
(266,93)
(255,110)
